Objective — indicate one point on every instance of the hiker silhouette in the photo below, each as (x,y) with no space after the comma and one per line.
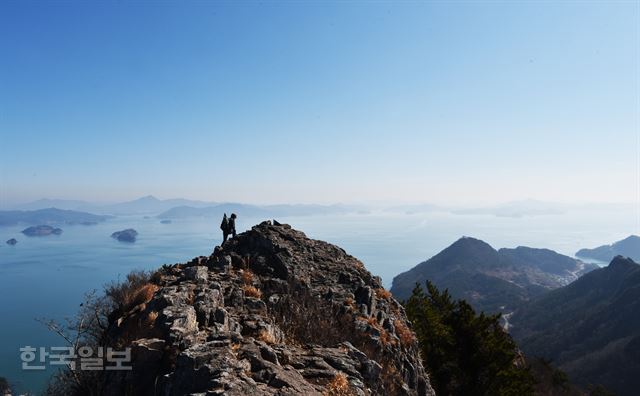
(228,226)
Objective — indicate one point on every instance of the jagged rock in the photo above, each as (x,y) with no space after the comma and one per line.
(272,312)
(198,273)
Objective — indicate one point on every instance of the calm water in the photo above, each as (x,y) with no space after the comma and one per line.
(46,277)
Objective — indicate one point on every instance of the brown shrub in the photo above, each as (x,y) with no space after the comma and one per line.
(386,338)
(392,378)
(339,386)
(135,290)
(144,294)
(251,291)
(266,336)
(383,293)
(404,333)
(349,301)
(151,318)
(305,318)
(247,277)
(126,294)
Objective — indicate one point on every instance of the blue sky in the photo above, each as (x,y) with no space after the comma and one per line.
(444,102)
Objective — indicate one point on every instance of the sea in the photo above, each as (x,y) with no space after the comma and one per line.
(43,278)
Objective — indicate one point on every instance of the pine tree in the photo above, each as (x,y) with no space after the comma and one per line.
(465,353)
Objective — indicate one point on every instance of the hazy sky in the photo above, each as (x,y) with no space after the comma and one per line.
(443,102)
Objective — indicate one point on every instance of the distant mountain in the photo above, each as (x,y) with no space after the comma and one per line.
(183,208)
(529,207)
(144,205)
(46,203)
(415,209)
(590,328)
(254,210)
(148,205)
(628,247)
(48,216)
(492,280)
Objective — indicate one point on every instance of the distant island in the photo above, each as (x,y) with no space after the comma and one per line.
(128,235)
(166,221)
(12,241)
(628,247)
(48,216)
(41,230)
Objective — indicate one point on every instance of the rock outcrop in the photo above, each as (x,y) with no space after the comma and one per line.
(12,241)
(272,312)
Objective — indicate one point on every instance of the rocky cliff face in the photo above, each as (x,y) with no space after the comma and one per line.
(272,312)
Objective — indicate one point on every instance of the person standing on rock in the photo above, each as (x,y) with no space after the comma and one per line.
(232,225)
(228,226)
(224,226)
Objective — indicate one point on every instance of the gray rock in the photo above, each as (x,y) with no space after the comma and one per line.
(198,273)
(314,303)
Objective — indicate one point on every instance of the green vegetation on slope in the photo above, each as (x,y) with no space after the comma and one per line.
(590,328)
(465,353)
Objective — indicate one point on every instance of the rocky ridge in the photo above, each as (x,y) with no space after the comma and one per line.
(272,312)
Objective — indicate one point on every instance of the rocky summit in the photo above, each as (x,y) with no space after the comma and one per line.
(271,312)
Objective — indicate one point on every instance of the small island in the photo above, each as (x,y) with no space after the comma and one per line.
(12,241)
(128,235)
(166,221)
(41,230)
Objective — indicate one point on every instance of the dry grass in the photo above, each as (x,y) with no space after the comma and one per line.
(267,337)
(404,333)
(135,290)
(247,277)
(383,293)
(191,297)
(151,318)
(143,295)
(339,386)
(373,322)
(252,291)
(392,378)
(349,302)
(386,338)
